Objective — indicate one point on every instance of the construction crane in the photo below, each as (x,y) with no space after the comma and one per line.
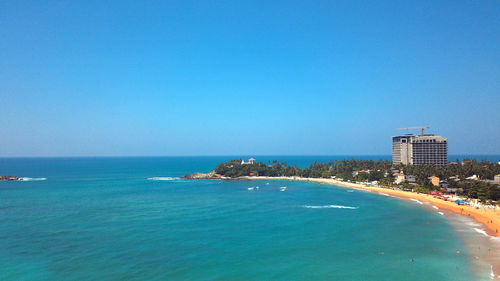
(414,128)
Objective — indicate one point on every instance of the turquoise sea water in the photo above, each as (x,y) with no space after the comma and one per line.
(102,219)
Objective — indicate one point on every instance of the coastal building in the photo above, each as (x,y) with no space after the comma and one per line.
(420,150)
(434,180)
(495,180)
(410,179)
(473,177)
(250,161)
(399,178)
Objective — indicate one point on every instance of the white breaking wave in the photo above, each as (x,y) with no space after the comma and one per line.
(329,207)
(385,194)
(435,207)
(163,178)
(441,213)
(481,231)
(419,202)
(32,179)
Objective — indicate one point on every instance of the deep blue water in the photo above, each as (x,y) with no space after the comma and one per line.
(102,219)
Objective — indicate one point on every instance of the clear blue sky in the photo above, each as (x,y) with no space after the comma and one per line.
(87,78)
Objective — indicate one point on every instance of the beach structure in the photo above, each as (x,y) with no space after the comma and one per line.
(462,202)
(425,149)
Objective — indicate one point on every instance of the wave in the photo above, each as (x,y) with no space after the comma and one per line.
(441,213)
(329,207)
(32,179)
(418,201)
(163,178)
(385,194)
(481,231)
(435,207)
(472,224)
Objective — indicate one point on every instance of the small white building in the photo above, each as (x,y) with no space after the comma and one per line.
(250,161)
(399,178)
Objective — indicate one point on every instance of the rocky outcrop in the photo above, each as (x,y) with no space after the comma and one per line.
(204,176)
(199,176)
(10,178)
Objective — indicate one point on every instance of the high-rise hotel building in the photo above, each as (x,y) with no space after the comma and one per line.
(420,150)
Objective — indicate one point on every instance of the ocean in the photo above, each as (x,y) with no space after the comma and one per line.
(135,219)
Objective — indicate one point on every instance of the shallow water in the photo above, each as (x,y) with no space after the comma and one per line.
(134,219)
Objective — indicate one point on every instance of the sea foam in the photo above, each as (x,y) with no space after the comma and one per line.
(329,207)
(32,179)
(418,201)
(385,194)
(163,178)
(481,231)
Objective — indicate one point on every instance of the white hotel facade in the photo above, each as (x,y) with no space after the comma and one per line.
(420,150)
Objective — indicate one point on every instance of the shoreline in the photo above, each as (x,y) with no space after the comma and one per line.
(488,218)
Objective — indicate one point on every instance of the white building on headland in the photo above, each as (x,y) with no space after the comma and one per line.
(420,150)
(250,161)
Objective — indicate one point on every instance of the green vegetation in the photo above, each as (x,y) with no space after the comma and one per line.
(454,175)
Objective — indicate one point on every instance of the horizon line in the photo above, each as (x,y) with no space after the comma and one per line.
(215,155)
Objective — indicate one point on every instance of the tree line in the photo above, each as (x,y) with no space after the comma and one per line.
(381,171)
